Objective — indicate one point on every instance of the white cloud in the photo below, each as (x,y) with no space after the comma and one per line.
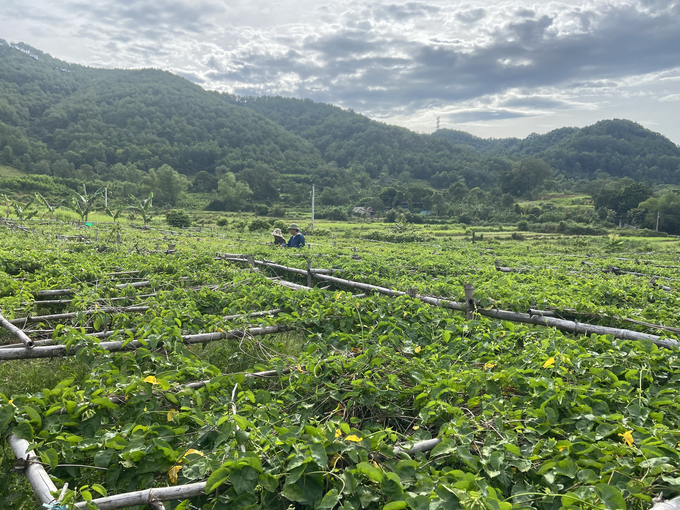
(491,62)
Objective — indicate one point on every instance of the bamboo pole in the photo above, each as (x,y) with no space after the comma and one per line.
(67,292)
(16,332)
(105,334)
(422,446)
(57,351)
(71,315)
(561,324)
(37,476)
(146,496)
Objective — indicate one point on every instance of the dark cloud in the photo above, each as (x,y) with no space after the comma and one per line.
(149,14)
(525,13)
(525,53)
(471,16)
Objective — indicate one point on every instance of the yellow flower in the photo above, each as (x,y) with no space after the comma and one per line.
(151,379)
(172,474)
(418,349)
(550,362)
(489,365)
(562,448)
(353,438)
(300,369)
(628,437)
(338,432)
(191,450)
(172,413)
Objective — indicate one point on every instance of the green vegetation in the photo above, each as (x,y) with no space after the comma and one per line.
(528,417)
(140,132)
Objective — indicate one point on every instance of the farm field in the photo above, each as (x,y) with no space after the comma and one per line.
(202,364)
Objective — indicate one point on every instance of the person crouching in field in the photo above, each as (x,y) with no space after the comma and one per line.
(278,237)
(297,240)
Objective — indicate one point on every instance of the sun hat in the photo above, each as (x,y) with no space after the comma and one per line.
(293,226)
(277,232)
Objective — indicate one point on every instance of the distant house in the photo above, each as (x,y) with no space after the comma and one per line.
(363,211)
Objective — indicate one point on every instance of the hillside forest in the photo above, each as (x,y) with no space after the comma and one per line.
(143,133)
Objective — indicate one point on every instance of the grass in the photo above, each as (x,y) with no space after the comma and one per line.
(7,171)
(31,376)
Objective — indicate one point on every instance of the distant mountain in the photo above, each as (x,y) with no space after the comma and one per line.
(50,109)
(73,121)
(620,148)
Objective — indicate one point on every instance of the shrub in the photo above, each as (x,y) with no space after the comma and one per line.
(178,218)
(277,211)
(337,214)
(261,210)
(518,236)
(222,222)
(523,226)
(280,224)
(259,224)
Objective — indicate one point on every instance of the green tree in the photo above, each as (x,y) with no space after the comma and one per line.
(234,195)
(262,181)
(142,207)
(525,176)
(667,207)
(83,204)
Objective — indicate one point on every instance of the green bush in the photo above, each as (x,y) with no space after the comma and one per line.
(222,222)
(261,210)
(523,226)
(277,211)
(258,225)
(281,224)
(178,218)
(337,214)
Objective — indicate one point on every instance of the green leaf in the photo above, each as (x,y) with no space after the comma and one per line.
(294,493)
(216,479)
(244,480)
(331,499)
(610,496)
(269,482)
(395,505)
(33,416)
(99,488)
(6,415)
(370,471)
(50,458)
(319,454)
(24,431)
(566,467)
(446,446)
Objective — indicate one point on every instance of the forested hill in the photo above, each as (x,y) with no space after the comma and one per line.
(71,121)
(354,141)
(51,111)
(620,148)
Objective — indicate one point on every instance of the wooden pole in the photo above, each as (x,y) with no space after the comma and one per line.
(37,476)
(469,301)
(561,324)
(310,280)
(146,496)
(16,332)
(71,315)
(57,351)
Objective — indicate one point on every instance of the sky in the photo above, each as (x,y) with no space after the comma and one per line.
(494,69)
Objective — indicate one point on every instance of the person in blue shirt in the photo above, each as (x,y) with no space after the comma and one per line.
(297,240)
